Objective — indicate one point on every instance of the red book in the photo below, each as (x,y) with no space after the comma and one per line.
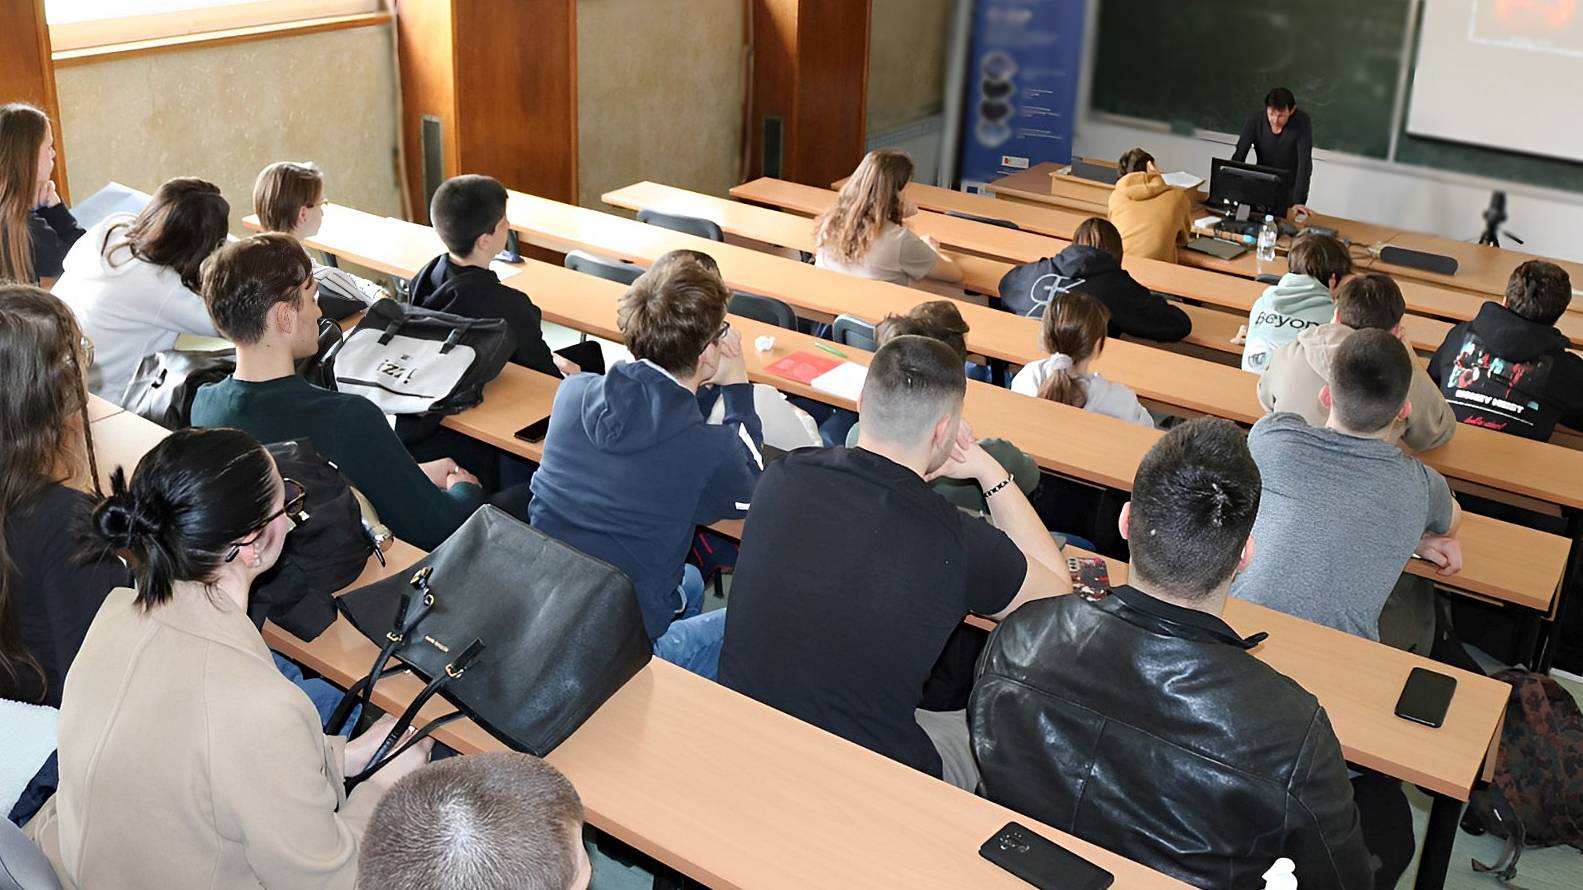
(802,367)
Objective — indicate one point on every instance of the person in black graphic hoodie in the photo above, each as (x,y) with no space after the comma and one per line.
(1093,263)
(1509,369)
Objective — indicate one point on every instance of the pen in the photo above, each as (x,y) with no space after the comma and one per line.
(830,349)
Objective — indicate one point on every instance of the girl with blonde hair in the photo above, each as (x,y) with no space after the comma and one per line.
(863,233)
(36,229)
(1074,335)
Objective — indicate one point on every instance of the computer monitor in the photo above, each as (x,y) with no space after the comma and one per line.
(1249,188)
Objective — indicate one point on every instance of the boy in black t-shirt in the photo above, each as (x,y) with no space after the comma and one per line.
(853,572)
(1509,369)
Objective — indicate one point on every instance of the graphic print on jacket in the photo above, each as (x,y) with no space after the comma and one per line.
(1487,390)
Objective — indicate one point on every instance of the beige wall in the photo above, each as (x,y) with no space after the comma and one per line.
(906,72)
(659,86)
(222,113)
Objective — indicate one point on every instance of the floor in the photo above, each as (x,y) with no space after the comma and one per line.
(1556,868)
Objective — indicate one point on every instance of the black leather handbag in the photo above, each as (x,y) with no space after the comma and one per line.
(523,634)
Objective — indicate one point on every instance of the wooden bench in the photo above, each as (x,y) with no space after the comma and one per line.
(774,780)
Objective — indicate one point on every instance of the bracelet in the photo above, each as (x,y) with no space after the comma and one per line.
(1002,484)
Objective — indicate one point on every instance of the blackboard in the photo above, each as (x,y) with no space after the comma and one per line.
(1206,64)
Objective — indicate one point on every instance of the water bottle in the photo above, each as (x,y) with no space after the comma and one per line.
(1267,240)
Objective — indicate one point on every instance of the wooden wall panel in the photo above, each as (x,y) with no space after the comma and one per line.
(424,39)
(810,67)
(26,73)
(517,99)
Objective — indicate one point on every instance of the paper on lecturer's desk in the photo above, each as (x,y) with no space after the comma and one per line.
(1206,223)
(844,380)
(1183,180)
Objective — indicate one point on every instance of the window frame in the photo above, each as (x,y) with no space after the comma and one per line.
(116,30)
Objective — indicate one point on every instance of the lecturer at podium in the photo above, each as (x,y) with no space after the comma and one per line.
(1282,137)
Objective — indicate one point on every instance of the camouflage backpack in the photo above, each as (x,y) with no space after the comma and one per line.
(1536,798)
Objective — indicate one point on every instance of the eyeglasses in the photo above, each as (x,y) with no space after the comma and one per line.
(724,329)
(296,499)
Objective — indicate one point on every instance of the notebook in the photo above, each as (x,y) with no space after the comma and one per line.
(1216,247)
(802,367)
(844,381)
(1182,180)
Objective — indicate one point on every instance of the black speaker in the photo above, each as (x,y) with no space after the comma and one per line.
(773,138)
(431,135)
(1417,259)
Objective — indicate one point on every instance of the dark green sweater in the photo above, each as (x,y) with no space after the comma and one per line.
(351,432)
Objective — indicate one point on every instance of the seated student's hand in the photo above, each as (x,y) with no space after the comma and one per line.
(566,366)
(439,470)
(45,195)
(360,750)
(1443,551)
(733,367)
(1241,336)
(459,476)
(1299,213)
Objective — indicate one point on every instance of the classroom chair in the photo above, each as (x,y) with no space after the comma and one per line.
(690,225)
(990,220)
(855,332)
(599,267)
(766,309)
(22,865)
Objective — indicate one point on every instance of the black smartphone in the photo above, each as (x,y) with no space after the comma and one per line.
(1041,862)
(535,431)
(1425,697)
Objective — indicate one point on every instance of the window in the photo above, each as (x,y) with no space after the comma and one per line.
(77,24)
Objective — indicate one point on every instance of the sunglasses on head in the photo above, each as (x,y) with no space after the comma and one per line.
(296,499)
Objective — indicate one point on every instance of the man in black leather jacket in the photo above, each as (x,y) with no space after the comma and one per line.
(1139,721)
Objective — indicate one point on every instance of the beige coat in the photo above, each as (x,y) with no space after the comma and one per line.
(188,761)
(1152,217)
(1300,368)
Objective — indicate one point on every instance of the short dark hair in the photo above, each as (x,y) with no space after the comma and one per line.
(1369,378)
(466,207)
(282,190)
(1134,160)
(1371,300)
(492,821)
(674,311)
(245,279)
(912,382)
(938,319)
(1194,499)
(1280,98)
(1320,257)
(1539,291)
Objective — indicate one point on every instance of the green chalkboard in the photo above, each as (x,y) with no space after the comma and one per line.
(1208,63)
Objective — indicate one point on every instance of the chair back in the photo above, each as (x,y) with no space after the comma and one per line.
(766,309)
(988,220)
(599,267)
(690,225)
(855,332)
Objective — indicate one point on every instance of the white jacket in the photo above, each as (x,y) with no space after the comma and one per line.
(127,307)
(1104,397)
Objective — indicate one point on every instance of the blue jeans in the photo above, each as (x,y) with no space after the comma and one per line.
(323,695)
(693,641)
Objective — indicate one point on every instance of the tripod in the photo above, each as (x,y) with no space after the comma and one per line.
(1494,216)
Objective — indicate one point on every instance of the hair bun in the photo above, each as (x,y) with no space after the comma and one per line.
(124,521)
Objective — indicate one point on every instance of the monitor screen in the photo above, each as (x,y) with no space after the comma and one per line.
(1264,189)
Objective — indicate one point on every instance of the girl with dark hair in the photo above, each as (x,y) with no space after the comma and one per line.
(863,233)
(133,281)
(36,229)
(1074,335)
(186,759)
(48,592)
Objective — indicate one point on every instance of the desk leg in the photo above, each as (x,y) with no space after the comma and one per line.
(1440,834)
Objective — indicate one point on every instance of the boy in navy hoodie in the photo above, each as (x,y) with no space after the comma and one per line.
(630,466)
(469,214)
(1509,368)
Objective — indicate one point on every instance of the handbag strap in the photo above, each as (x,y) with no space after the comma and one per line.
(408,613)
(453,672)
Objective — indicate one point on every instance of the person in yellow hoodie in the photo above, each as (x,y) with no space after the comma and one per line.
(1153,217)
(1301,368)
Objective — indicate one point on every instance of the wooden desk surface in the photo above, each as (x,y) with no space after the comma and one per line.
(1061,439)
(1481,269)
(1544,472)
(1423,298)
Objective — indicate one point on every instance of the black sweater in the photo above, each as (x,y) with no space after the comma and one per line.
(1292,149)
(476,292)
(1504,372)
(1134,310)
(53,230)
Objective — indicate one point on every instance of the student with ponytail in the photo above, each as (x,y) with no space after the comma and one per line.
(36,229)
(48,591)
(186,759)
(1074,335)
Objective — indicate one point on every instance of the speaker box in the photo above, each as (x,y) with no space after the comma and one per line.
(1417,259)
(772,144)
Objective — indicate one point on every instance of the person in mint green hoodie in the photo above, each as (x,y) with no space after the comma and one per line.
(1303,298)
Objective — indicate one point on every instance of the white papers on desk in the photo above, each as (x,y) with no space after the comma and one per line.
(844,381)
(1207,223)
(1180,180)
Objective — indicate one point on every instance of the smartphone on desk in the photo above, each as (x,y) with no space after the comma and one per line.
(1425,697)
(1041,862)
(535,431)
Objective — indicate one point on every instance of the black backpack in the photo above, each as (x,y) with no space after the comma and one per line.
(322,555)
